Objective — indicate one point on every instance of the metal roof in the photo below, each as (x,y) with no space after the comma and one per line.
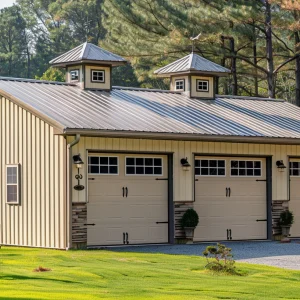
(144,110)
(192,63)
(87,52)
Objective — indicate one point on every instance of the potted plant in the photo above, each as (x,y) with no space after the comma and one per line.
(189,221)
(286,220)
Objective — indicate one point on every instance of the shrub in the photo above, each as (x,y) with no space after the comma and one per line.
(220,259)
(286,218)
(189,219)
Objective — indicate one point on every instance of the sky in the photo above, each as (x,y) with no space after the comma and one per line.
(4,3)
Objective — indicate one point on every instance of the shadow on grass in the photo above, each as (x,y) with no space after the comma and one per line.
(21,277)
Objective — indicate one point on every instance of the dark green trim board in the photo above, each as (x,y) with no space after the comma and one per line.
(269,196)
(171,217)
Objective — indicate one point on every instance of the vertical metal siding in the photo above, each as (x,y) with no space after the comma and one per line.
(40,219)
(183,180)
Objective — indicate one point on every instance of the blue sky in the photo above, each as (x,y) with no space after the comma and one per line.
(4,3)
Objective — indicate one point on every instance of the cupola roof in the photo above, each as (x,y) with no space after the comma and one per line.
(192,63)
(88,53)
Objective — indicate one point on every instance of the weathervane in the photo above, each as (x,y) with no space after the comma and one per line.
(193,39)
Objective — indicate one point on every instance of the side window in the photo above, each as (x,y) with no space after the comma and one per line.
(294,168)
(179,85)
(202,86)
(12,184)
(103,165)
(210,167)
(144,166)
(98,76)
(74,74)
(245,168)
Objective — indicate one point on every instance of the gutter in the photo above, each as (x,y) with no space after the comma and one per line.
(182,136)
(69,190)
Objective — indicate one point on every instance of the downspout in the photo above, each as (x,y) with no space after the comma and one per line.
(69,190)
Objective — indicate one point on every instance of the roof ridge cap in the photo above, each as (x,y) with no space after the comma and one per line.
(191,58)
(84,48)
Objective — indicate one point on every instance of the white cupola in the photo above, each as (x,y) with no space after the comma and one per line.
(89,66)
(194,75)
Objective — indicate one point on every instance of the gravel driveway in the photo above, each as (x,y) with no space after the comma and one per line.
(265,253)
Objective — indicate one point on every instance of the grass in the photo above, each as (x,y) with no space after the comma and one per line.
(110,275)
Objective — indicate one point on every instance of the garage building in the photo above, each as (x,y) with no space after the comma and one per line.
(88,163)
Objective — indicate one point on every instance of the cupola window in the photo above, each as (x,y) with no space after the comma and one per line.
(202,85)
(98,76)
(74,75)
(179,85)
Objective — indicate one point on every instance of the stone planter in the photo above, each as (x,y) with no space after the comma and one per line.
(189,234)
(285,230)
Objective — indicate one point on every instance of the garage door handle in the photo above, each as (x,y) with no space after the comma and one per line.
(226,192)
(123,191)
(162,222)
(126,191)
(229,189)
(127,242)
(123,236)
(261,220)
(93,224)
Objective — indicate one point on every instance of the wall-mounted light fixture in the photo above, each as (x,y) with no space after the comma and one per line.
(77,161)
(185,164)
(280,165)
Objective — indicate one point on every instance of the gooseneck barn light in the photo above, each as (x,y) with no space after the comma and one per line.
(280,165)
(185,164)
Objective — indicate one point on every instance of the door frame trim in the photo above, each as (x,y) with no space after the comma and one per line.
(170,204)
(268,182)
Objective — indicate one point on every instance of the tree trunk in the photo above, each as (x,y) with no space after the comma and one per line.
(233,67)
(269,50)
(223,63)
(254,47)
(297,72)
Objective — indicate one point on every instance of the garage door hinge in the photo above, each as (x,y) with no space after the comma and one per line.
(261,179)
(161,178)
(91,178)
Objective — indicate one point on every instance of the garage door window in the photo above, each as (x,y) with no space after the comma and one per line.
(294,168)
(103,165)
(245,168)
(144,166)
(210,167)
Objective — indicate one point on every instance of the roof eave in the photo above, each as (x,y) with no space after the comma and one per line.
(94,62)
(59,128)
(181,136)
(193,71)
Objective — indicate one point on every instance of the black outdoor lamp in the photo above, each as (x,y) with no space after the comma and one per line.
(280,165)
(185,164)
(77,161)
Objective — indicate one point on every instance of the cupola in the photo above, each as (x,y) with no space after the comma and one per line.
(194,75)
(89,66)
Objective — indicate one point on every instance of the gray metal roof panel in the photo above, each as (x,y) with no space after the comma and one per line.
(87,51)
(191,62)
(142,110)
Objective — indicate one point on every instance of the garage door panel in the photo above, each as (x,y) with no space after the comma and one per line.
(144,204)
(237,211)
(294,204)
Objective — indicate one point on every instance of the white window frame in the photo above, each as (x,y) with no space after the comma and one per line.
(98,71)
(215,159)
(17,166)
(197,85)
(245,176)
(108,165)
(75,70)
(145,157)
(291,168)
(182,81)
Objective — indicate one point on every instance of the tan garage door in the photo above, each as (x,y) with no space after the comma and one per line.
(230,198)
(294,204)
(128,199)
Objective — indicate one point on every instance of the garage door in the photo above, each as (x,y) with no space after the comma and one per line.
(294,204)
(128,199)
(230,198)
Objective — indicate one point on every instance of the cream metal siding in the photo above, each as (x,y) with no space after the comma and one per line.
(209,94)
(40,218)
(186,82)
(80,82)
(106,85)
(183,180)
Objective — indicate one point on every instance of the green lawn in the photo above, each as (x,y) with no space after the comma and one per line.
(110,275)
